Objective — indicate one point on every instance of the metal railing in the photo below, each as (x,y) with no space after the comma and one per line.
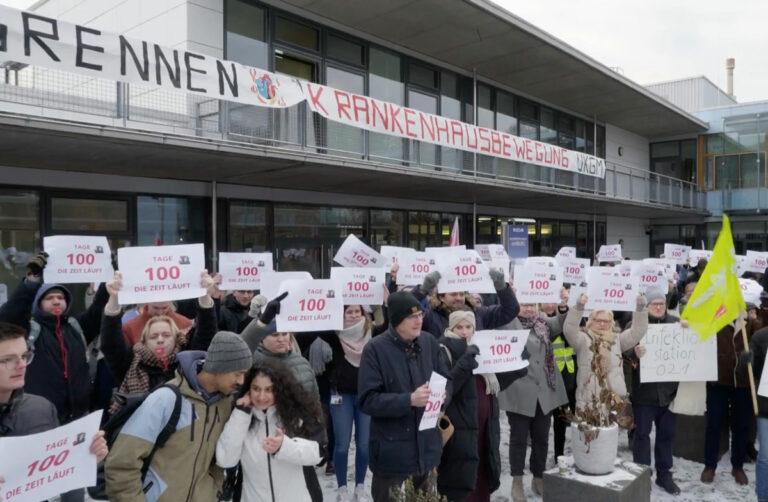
(70,97)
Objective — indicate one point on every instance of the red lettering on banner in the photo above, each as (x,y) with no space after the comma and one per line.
(427,126)
(314,99)
(548,155)
(456,130)
(358,107)
(539,152)
(410,122)
(342,108)
(485,143)
(394,111)
(506,148)
(496,142)
(528,150)
(555,156)
(443,129)
(380,113)
(467,129)
(520,147)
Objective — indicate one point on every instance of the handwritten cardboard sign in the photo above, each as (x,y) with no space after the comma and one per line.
(677,354)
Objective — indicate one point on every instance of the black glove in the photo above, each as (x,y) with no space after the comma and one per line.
(472,350)
(430,282)
(525,355)
(37,264)
(272,309)
(467,360)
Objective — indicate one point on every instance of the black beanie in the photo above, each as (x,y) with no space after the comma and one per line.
(400,305)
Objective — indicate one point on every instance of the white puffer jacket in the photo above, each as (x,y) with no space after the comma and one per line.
(266,477)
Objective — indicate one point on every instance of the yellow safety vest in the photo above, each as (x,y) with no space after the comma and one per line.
(563,355)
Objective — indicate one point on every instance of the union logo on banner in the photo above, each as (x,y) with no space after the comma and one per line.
(265,88)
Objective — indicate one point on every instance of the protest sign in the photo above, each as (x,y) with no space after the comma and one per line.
(439,252)
(741,265)
(243,270)
(44,465)
(609,289)
(464,271)
(566,252)
(360,286)
(311,305)
(751,290)
(698,254)
(502,265)
(432,411)
(609,253)
(77,259)
(670,269)
(160,273)
(652,278)
(414,267)
(756,261)
(574,269)
(762,389)
(538,280)
(355,253)
(392,254)
(271,281)
(677,354)
(490,252)
(500,350)
(677,253)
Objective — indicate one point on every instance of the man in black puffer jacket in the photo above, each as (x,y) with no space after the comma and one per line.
(393,389)
(650,405)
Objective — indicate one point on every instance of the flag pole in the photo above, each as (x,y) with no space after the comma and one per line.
(750,373)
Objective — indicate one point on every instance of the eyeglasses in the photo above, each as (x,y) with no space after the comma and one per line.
(603,321)
(657,304)
(11,362)
(417,315)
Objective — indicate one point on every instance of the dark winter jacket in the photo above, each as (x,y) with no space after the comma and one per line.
(459,464)
(650,393)
(233,316)
(62,377)
(759,346)
(26,414)
(119,354)
(730,345)
(390,371)
(491,317)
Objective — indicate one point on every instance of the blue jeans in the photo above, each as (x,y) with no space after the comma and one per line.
(343,416)
(761,470)
(645,417)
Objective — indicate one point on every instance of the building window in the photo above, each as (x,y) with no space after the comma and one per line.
(675,159)
(297,33)
(343,139)
(246,34)
(171,220)
(422,76)
(345,50)
(450,107)
(88,215)
(19,235)
(385,83)
(387,227)
(424,230)
(247,229)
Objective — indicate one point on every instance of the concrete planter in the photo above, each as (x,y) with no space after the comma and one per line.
(599,456)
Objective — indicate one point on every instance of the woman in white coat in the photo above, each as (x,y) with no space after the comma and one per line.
(275,430)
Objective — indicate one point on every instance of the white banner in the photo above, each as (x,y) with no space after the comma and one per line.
(314,305)
(574,269)
(360,286)
(414,267)
(756,262)
(500,350)
(697,254)
(609,289)
(464,271)
(677,354)
(751,291)
(42,466)
(677,253)
(355,253)
(243,270)
(272,280)
(609,253)
(77,259)
(393,253)
(432,412)
(160,273)
(538,280)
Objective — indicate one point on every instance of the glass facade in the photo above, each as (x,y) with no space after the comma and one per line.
(735,158)
(171,220)
(676,159)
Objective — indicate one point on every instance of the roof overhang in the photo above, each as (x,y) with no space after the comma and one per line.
(482,36)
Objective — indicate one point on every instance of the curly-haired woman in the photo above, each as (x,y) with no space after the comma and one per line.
(275,430)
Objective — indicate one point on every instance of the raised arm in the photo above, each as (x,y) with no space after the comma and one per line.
(632,336)
(205,325)
(576,338)
(113,344)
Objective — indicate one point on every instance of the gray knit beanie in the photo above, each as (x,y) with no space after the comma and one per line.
(227,353)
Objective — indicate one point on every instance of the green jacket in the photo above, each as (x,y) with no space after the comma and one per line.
(184,469)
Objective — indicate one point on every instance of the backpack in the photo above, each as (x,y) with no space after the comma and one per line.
(129,404)
(91,351)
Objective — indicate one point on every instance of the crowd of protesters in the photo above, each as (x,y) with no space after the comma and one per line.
(232,408)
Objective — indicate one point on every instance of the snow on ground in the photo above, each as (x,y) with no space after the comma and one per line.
(686,474)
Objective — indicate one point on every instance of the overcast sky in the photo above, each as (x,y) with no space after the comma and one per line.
(658,40)
(655,40)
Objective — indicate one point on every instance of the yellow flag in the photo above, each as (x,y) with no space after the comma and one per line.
(717,299)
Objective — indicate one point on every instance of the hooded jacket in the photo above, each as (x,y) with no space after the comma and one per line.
(60,372)
(233,316)
(26,414)
(266,477)
(183,470)
(390,371)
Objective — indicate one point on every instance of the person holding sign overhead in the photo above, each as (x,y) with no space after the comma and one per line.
(470,467)
(650,405)
(152,361)
(530,401)
(442,304)
(600,340)
(393,389)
